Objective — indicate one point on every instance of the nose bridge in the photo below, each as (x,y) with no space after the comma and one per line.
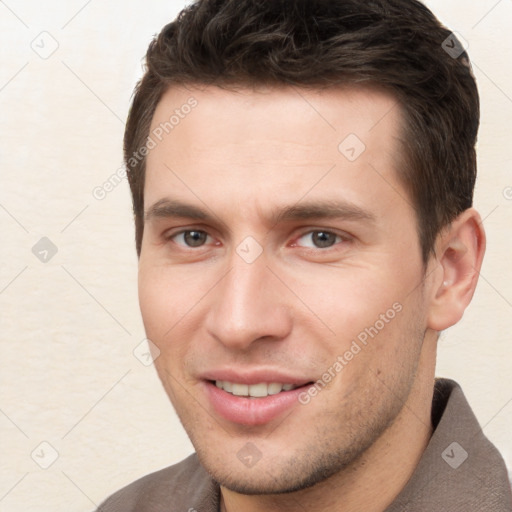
(245,285)
(245,306)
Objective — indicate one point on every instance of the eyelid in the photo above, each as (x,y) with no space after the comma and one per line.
(344,236)
(171,234)
(176,230)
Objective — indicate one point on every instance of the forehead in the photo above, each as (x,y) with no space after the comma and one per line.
(253,142)
(306,114)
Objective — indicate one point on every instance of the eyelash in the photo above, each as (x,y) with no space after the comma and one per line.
(340,238)
(172,236)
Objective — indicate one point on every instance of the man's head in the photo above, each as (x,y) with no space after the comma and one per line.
(396,45)
(304,231)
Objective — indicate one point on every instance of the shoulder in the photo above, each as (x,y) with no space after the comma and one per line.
(460,470)
(177,487)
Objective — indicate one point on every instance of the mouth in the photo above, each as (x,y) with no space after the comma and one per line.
(260,390)
(253,404)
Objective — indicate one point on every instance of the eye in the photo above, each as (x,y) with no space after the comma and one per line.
(319,239)
(191,238)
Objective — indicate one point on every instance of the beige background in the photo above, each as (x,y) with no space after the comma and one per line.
(69,327)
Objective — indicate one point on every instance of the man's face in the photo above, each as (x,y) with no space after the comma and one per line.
(275,246)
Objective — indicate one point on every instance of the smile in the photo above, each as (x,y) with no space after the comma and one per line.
(252,404)
(260,390)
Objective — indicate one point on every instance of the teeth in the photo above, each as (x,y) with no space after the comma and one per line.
(258,390)
(254,390)
(240,389)
(274,388)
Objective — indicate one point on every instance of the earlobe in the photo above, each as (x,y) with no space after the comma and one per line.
(460,249)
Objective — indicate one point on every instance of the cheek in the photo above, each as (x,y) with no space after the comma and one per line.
(369,317)
(173,305)
(153,303)
(163,302)
(161,310)
(353,301)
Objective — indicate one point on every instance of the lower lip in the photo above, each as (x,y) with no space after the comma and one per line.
(252,411)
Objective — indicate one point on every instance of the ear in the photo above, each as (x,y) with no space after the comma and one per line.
(460,249)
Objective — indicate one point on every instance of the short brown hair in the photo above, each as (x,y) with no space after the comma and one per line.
(398,45)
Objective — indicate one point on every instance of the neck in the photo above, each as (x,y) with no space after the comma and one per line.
(374,480)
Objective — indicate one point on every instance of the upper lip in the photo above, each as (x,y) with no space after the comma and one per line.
(254,376)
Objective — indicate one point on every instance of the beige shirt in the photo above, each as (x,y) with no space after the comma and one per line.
(460,471)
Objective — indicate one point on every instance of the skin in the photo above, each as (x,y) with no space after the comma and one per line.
(244,156)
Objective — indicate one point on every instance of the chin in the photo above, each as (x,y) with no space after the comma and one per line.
(266,479)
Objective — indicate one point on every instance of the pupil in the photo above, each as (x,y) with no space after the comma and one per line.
(195,238)
(323,239)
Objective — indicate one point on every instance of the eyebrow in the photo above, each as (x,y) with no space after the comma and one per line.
(173,208)
(324,210)
(332,209)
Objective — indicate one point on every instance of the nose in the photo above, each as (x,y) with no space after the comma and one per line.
(248,305)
